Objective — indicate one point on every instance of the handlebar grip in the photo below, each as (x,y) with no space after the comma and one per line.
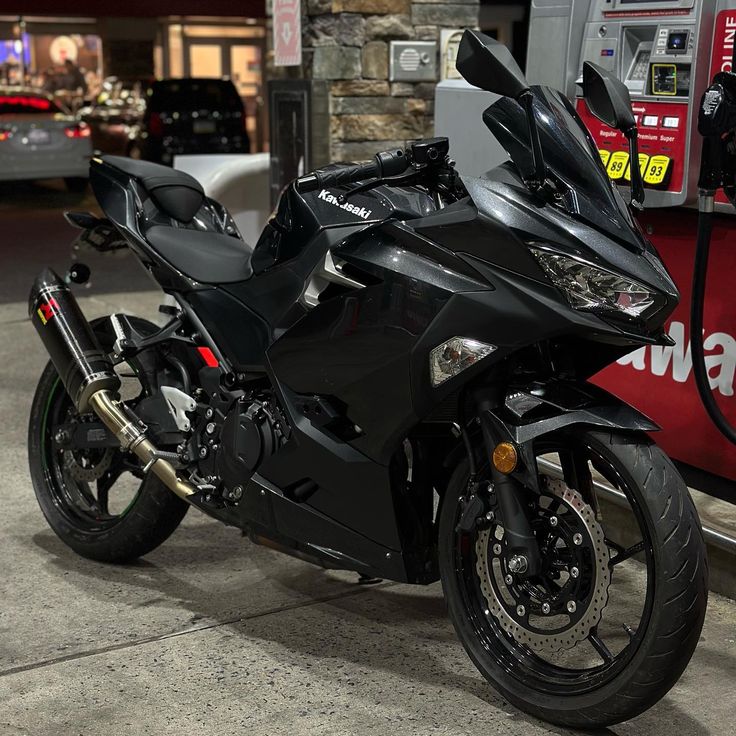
(386,163)
(336,177)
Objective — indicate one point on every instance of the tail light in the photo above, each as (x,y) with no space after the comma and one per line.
(82,130)
(4,135)
(155,125)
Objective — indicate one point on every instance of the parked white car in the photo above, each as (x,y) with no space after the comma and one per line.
(40,141)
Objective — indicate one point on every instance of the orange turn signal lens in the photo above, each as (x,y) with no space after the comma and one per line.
(505,458)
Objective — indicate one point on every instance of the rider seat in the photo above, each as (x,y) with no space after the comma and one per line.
(203,255)
(207,257)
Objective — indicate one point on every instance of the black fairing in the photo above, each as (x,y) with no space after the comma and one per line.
(570,155)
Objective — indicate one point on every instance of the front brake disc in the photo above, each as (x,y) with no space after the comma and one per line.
(552,633)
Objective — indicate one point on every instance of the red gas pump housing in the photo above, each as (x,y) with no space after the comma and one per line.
(666,52)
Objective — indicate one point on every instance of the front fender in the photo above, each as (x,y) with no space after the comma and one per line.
(532,412)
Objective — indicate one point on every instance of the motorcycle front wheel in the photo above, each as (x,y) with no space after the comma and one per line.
(610,623)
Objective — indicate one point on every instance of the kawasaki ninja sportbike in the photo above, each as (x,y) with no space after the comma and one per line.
(394,381)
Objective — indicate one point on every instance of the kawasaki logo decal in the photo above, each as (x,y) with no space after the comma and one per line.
(353,209)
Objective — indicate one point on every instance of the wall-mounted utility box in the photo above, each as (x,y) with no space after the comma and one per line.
(413,61)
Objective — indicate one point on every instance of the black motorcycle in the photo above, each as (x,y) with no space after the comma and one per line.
(394,381)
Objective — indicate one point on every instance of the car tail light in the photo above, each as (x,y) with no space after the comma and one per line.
(78,131)
(4,135)
(155,124)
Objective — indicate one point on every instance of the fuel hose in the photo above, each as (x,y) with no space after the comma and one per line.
(700,275)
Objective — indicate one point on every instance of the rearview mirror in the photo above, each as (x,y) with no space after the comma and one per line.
(488,64)
(607,97)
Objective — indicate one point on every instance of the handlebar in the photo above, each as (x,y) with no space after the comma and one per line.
(386,163)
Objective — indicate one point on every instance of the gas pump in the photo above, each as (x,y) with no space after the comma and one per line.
(666,52)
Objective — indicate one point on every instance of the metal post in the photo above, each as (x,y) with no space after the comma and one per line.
(22,30)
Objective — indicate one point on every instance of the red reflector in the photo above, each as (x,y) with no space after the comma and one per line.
(208,357)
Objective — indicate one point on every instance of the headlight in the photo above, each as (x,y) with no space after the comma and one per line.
(591,287)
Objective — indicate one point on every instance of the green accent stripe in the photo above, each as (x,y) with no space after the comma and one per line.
(45,419)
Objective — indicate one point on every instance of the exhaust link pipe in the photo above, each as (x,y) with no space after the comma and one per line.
(88,374)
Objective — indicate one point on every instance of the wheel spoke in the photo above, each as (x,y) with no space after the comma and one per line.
(110,477)
(78,493)
(549,586)
(102,496)
(600,646)
(624,554)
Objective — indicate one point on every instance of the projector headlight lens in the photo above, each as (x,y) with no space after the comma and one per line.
(593,288)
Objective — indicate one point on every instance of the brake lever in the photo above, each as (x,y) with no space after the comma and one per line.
(408,178)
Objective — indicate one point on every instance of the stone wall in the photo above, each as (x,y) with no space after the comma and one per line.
(347,43)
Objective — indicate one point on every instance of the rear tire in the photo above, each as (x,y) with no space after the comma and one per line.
(153,515)
(675,619)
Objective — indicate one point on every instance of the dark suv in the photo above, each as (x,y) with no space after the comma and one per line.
(192,116)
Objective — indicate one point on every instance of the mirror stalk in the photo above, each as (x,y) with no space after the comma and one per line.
(526,100)
(637,183)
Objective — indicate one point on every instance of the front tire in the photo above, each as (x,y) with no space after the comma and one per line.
(672,615)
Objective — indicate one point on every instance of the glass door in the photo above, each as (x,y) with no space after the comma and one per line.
(241,60)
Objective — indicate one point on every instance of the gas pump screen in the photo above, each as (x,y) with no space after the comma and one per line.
(677,41)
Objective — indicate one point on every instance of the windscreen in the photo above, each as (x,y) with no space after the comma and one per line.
(26,104)
(569,153)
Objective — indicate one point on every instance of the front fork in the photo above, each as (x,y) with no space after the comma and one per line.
(504,497)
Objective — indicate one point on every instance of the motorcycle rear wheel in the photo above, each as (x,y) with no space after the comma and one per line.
(98,502)
(612,686)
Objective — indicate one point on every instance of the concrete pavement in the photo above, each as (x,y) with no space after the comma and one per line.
(213,635)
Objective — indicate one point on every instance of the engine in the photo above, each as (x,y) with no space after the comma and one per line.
(230,445)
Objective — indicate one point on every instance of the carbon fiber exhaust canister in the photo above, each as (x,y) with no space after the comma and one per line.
(84,368)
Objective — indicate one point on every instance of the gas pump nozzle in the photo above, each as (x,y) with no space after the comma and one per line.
(716,123)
